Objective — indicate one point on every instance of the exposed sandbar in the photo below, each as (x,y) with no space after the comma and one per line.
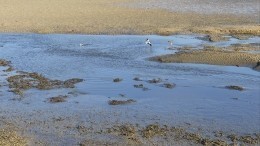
(115,17)
(213,56)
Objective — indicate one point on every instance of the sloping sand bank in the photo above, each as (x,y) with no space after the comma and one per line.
(213,56)
(115,17)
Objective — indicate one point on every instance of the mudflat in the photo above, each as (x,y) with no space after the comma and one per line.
(129,17)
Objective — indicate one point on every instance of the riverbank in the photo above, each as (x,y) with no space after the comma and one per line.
(116,17)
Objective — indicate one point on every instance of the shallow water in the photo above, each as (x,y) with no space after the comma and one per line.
(199,97)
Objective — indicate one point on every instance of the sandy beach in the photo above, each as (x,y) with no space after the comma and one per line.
(125,17)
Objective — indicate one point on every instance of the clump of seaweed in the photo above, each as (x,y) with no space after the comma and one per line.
(70,83)
(139,86)
(17,91)
(125,130)
(9,69)
(214,142)
(156,131)
(155,81)
(120,102)
(137,79)
(57,99)
(4,62)
(233,87)
(27,81)
(117,80)
(232,137)
(82,129)
(169,85)
(153,130)
(248,139)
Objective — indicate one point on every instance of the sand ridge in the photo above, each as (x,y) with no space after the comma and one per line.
(215,56)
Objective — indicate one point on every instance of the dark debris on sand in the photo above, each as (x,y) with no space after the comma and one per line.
(155,81)
(137,79)
(27,81)
(233,87)
(6,64)
(57,99)
(117,80)
(120,102)
(169,85)
(152,131)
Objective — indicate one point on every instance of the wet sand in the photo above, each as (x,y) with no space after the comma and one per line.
(9,136)
(231,56)
(126,17)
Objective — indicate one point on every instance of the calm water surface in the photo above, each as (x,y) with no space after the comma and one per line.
(199,97)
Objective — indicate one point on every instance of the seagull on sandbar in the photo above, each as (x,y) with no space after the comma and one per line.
(148,42)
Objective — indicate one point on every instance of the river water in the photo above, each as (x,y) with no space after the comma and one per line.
(199,97)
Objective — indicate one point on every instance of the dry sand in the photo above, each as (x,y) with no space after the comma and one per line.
(117,17)
(215,56)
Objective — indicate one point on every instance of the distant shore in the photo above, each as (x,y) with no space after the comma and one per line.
(115,17)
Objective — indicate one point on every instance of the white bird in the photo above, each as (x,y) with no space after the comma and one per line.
(81,45)
(148,42)
(170,44)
